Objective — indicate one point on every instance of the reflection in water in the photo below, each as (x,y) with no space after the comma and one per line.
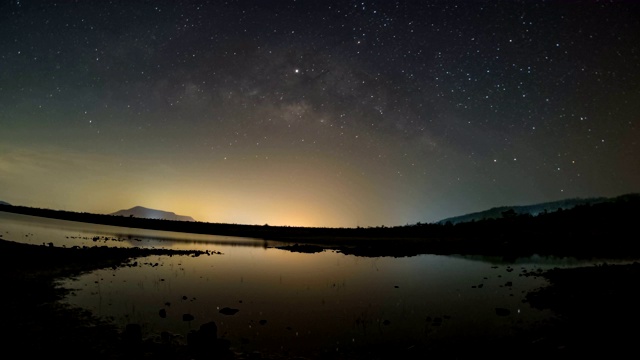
(293,302)
(308,303)
(36,230)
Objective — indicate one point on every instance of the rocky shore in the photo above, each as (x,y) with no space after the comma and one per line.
(37,325)
(595,307)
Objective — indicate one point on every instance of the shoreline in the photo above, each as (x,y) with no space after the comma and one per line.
(41,325)
(582,232)
(596,308)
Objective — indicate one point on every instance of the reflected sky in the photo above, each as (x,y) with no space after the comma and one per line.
(313,302)
(37,230)
(294,302)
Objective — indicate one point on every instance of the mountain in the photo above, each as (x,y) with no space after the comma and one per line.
(535,209)
(4,203)
(142,212)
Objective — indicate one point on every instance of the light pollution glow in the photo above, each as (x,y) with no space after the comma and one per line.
(326,113)
(295,192)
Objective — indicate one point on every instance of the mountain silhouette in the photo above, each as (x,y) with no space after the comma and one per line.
(4,203)
(534,209)
(143,212)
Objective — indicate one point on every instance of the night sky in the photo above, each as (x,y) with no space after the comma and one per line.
(317,113)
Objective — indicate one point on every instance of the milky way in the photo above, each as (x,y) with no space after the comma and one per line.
(317,113)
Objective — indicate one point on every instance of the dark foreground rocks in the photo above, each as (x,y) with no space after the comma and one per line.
(596,309)
(36,325)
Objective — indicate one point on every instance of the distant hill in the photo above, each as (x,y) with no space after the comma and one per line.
(142,212)
(535,209)
(4,203)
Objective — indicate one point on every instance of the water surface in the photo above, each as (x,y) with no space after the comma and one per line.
(295,303)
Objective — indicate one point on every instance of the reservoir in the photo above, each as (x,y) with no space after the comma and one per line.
(274,301)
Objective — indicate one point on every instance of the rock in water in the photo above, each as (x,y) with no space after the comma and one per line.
(205,343)
(502,312)
(209,331)
(228,311)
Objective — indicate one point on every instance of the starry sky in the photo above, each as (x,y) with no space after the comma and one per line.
(317,113)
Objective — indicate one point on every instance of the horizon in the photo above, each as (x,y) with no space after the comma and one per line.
(317,114)
(320,226)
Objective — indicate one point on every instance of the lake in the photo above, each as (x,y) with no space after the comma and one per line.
(296,303)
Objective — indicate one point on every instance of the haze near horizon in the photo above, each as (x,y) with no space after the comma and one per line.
(332,113)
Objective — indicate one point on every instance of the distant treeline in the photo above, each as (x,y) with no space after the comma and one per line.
(598,229)
(533,209)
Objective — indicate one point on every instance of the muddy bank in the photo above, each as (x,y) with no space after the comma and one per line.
(36,325)
(597,309)
(594,306)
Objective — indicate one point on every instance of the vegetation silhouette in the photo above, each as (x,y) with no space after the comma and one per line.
(41,326)
(600,229)
(534,209)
